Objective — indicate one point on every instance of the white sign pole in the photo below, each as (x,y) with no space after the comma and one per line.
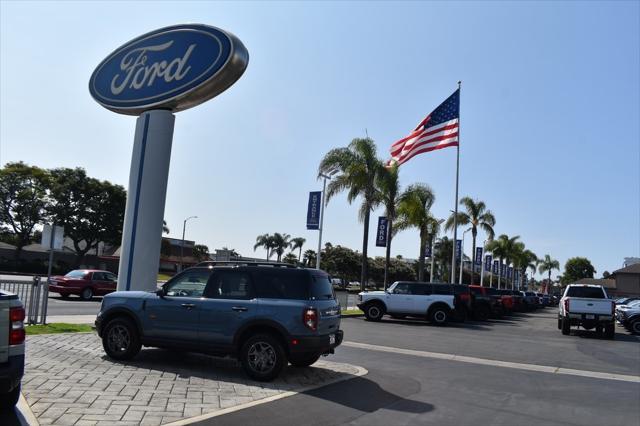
(142,233)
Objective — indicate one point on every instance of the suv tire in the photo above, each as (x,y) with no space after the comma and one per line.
(120,339)
(374,311)
(634,327)
(610,331)
(10,399)
(262,357)
(566,326)
(438,315)
(303,360)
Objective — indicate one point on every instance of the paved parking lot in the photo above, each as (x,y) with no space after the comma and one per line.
(69,381)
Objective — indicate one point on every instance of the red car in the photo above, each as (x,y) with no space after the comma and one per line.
(85,283)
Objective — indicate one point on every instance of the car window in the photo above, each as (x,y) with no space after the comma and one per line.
(282,284)
(98,276)
(586,292)
(401,288)
(229,285)
(110,277)
(441,289)
(420,289)
(321,287)
(76,274)
(189,284)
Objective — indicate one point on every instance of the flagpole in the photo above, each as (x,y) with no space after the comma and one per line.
(455,214)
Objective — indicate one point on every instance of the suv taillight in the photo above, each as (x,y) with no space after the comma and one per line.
(566,306)
(16,326)
(310,319)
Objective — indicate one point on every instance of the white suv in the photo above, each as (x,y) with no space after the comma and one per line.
(431,301)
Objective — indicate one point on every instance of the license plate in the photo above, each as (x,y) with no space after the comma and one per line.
(332,339)
(590,316)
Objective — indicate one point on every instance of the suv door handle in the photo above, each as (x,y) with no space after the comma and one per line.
(188,305)
(239,309)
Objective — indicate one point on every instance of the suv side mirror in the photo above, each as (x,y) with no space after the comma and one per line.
(160,292)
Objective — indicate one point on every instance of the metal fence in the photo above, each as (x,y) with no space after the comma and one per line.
(34,296)
(347,300)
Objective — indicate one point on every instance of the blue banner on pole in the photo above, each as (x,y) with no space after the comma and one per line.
(458,250)
(487,262)
(427,250)
(313,210)
(478,256)
(381,232)
(503,270)
(509,272)
(496,265)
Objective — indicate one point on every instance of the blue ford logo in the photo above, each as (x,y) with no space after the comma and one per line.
(172,68)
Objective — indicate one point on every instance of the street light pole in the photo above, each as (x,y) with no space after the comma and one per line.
(324,177)
(482,262)
(184,227)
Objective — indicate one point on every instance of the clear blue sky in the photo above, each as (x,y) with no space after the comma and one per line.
(550,112)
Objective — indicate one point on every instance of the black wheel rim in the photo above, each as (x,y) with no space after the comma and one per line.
(440,316)
(374,312)
(261,357)
(118,339)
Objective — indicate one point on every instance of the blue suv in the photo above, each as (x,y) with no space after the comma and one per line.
(263,314)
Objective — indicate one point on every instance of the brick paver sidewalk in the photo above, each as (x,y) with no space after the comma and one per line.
(69,381)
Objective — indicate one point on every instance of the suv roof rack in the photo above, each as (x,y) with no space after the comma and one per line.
(213,263)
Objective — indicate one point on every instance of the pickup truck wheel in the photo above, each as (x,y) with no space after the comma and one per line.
(303,360)
(374,311)
(120,339)
(566,326)
(8,400)
(87,293)
(634,327)
(610,331)
(438,315)
(262,357)
(559,324)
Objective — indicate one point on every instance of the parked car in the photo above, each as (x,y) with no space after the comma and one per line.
(518,300)
(587,306)
(531,300)
(12,339)
(404,298)
(489,302)
(630,317)
(85,283)
(507,300)
(622,308)
(625,300)
(262,314)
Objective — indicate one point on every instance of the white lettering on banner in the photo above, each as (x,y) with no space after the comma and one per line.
(138,73)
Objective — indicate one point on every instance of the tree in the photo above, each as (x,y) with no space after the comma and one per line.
(297,243)
(606,274)
(577,268)
(477,216)
(91,211)
(443,253)
(165,228)
(200,252)
(525,259)
(309,259)
(23,191)
(280,242)
(290,258)
(388,186)
(341,262)
(547,265)
(414,210)
(359,167)
(504,248)
(266,241)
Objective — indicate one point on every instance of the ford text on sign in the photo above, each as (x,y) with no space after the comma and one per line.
(171,68)
(381,233)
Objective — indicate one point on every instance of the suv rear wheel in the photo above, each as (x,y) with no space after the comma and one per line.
(566,326)
(120,339)
(262,357)
(374,311)
(303,360)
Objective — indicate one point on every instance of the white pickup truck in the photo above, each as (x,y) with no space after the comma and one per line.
(587,306)
(11,348)
(434,302)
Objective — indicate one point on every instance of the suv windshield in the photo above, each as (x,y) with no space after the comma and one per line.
(586,292)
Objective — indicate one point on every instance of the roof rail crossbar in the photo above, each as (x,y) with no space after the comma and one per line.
(244,263)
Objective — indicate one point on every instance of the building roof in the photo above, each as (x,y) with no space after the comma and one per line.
(604,282)
(631,269)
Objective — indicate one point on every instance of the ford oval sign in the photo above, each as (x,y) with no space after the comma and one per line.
(172,68)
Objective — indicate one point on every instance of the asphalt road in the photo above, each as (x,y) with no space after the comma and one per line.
(410,389)
(72,306)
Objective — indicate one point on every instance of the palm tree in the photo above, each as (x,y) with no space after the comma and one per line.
(266,241)
(388,186)
(547,265)
(443,252)
(309,257)
(280,243)
(525,259)
(414,210)
(165,228)
(504,248)
(359,166)
(290,258)
(477,216)
(297,243)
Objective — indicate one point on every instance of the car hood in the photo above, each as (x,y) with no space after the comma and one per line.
(129,294)
(372,293)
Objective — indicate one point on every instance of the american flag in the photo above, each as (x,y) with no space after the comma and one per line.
(438,130)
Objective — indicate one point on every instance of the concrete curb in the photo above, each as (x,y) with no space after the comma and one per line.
(361,371)
(24,413)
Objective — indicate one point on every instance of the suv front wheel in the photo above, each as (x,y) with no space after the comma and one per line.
(262,357)
(120,339)
(374,311)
